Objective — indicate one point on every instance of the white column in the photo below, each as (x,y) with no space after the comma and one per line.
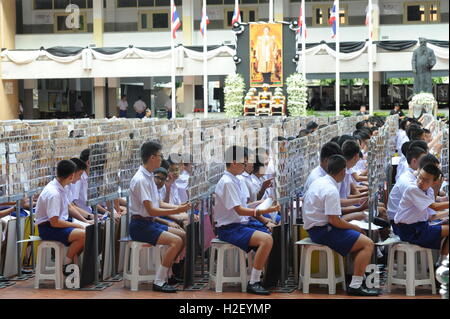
(99,98)
(271,11)
(304,39)
(188,22)
(189,94)
(28,86)
(205,66)
(338,77)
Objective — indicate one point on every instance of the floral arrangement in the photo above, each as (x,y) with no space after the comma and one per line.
(297,95)
(422,102)
(234,95)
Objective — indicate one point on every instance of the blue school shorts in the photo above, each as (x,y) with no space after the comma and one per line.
(122,113)
(340,240)
(146,231)
(237,234)
(47,232)
(256,224)
(23,212)
(421,234)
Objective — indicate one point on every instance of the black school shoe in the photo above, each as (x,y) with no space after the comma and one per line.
(381,222)
(164,288)
(363,291)
(65,271)
(174,280)
(257,289)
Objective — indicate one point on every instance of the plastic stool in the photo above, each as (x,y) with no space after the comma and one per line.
(132,263)
(218,277)
(42,267)
(305,277)
(411,281)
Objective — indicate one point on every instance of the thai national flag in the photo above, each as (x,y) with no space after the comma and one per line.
(368,18)
(301,25)
(332,20)
(176,22)
(236,14)
(204,22)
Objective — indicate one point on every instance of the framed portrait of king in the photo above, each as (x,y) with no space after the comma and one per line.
(266,54)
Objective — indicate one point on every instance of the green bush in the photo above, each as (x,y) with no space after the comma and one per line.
(311,112)
(346,113)
(442,116)
(382,114)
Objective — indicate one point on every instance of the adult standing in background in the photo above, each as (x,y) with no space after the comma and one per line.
(123,106)
(168,106)
(79,107)
(139,106)
(20,110)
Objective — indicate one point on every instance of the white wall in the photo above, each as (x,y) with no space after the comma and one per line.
(413,32)
(35,41)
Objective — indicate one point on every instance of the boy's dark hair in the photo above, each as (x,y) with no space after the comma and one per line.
(80,165)
(414,132)
(165,164)
(345,138)
(335,140)
(419,143)
(414,152)
(323,125)
(428,159)
(148,149)
(350,148)
(361,135)
(432,170)
(360,125)
(235,153)
(311,125)
(161,170)
(258,162)
(405,148)
(84,156)
(329,149)
(374,129)
(366,130)
(427,131)
(336,164)
(403,123)
(303,132)
(65,168)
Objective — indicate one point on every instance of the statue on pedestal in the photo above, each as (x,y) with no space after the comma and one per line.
(423,60)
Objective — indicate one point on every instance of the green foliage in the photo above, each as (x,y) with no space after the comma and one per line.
(400,81)
(383,114)
(311,112)
(346,113)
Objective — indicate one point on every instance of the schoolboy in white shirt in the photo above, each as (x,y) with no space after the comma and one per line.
(407,178)
(321,217)
(231,216)
(417,207)
(145,206)
(52,213)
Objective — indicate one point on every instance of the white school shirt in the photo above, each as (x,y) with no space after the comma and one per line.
(251,187)
(52,202)
(244,187)
(321,200)
(229,195)
(316,173)
(182,184)
(401,167)
(413,206)
(406,179)
(123,105)
(142,188)
(402,138)
(345,188)
(174,198)
(139,106)
(81,199)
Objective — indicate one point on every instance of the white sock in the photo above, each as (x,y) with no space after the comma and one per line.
(161,275)
(255,276)
(67,260)
(356,282)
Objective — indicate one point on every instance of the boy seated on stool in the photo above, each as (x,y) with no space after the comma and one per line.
(145,206)
(321,217)
(417,207)
(231,216)
(52,212)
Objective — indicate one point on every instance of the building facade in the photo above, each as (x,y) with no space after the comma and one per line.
(32,24)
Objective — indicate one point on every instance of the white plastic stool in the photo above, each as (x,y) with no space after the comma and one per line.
(42,267)
(411,281)
(218,277)
(305,277)
(132,265)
